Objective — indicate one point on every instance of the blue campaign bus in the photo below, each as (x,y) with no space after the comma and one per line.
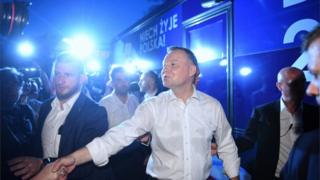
(240,46)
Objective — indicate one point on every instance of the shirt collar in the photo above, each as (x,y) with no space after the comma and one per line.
(284,107)
(149,95)
(68,104)
(195,95)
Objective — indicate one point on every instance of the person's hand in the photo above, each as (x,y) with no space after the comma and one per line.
(213,149)
(47,174)
(64,165)
(25,166)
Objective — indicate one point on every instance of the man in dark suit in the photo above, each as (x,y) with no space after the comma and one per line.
(304,159)
(66,123)
(274,127)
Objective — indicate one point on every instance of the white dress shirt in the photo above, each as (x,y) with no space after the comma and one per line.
(181,137)
(56,117)
(117,110)
(150,95)
(288,122)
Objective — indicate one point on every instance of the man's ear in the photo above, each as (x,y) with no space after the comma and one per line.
(278,84)
(192,70)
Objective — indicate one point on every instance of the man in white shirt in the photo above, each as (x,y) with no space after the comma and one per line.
(182,122)
(120,105)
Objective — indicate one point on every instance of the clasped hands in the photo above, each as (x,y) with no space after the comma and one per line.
(26,167)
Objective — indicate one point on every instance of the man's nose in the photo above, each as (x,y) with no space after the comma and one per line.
(60,79)
(313,89)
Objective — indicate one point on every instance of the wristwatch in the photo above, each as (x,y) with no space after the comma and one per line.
(48,160)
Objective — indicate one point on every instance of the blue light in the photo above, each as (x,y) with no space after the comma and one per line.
(138,65)
(25,49)
(205,54)
(223,62)
(245,71)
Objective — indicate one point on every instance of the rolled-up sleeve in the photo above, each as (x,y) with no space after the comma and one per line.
(227,149)
(118,137)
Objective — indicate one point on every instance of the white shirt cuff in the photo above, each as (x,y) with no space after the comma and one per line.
(97,153)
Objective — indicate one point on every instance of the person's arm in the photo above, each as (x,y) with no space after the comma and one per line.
(69,162)
(100,149)
(227,149)
(47,174)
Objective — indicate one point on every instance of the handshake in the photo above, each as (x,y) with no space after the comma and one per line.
(58,170)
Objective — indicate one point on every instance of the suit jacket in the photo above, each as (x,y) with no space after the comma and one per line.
(263,133)
(304,160)
(85,121)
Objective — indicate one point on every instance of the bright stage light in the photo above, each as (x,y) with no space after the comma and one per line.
(25,49)
(245,71)
(223,62)
(93,66)
(138,65)
(80,46)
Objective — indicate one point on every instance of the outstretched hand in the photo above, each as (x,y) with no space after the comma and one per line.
(47,174)
(64,165)
(25,166)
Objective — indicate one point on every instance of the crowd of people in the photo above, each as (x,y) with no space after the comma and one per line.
(163,134)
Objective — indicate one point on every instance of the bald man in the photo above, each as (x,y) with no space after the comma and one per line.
(274,127)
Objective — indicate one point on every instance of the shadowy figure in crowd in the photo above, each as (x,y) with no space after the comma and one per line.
(274,127)
(30,96)
(149,84)
(304,160)
(17,122)
(181,121)
(66,123)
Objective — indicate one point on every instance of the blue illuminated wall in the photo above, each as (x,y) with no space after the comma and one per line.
(150,39)
(256,38)
(267,37)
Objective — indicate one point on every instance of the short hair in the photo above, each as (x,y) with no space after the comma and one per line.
(10,75)
(115,70)
(190,56)
(155,77)
(313,35)
(65,57)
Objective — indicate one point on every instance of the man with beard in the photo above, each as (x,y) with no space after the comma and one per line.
(120,106)
(66,123)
